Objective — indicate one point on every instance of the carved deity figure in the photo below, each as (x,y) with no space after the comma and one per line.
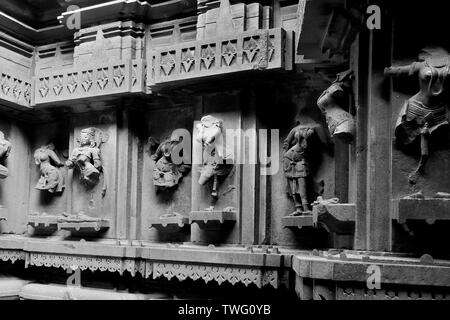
(87,156)
(296,166)
(427,110)
(217,161)
(51,178)
(5,149)
(340,123)
(167,174)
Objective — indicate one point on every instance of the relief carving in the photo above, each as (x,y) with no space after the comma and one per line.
(87,156)
(166,173)
(216,160)
(296,165)
(5,149)
(332,104)
(426,111)
(51,178)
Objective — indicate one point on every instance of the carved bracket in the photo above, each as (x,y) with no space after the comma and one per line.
(209,219)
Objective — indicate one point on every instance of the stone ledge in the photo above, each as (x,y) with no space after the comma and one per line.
(428,209)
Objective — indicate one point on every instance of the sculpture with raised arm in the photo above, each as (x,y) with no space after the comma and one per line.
(427,110)
(87,156)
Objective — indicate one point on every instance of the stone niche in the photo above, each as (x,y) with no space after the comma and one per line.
(14,189)
(99,200)
(160,123)
(40,201)
(330,165)
(211,227)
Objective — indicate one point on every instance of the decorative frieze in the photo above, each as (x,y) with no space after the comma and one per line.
(121,76)
(250,50)
(15,88)
(93,263)
(220,274)
(11,255)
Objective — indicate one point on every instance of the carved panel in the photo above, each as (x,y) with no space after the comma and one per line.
(15,88)
(11,255)
(93,263)
(98,79)
(220,274)
(257,49)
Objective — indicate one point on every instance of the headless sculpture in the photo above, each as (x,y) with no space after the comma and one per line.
(167,174)
(215,159)
(427,110)
(296,166)
(340,122)
(51,178)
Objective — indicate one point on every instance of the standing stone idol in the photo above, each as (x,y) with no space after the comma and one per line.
(87,156)
(340,123)
(51,178)
(217,162)
(5,149)
(427,110)
(296,166)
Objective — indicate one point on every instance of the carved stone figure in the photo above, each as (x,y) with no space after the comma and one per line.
(51,178)
(5,149)
(217,161)
(87,156)
(340,123)
(167,174)
(427,110)
(296,166)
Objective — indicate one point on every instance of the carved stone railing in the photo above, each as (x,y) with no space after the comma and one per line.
(16,88)
(251,50)
(109,78)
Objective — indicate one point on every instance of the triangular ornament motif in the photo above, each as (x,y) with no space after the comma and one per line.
(57,89)
(17,93)
(167,68)
(187,64)
(118,80)
(102,83)
(72,87)
(87,84)
(5,89)
(43,91)
(208,61)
